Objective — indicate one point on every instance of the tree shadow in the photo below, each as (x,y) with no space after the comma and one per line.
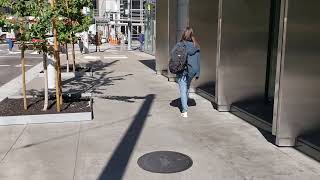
(177,103)
(129,99)
(33,103)
(116,166)
(84,83)
(96,83)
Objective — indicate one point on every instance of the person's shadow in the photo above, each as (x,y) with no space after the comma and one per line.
(177,103)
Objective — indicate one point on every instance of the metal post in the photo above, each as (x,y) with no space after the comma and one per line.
(141,16)
(129,24)
(85,36)
(96,39)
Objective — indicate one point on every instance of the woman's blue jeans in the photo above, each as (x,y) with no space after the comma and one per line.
(184,85)
(10,44)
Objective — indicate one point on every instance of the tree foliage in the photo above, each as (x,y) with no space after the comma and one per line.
(3,14)
(73,20)
(41,26)
(23,9)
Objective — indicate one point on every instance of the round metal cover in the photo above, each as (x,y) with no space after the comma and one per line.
(165,162)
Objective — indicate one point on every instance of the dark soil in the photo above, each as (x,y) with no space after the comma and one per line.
(14,107)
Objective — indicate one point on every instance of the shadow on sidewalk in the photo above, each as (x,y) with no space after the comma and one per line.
(128,141)
(151,63)
(128,99)
(268,136)
(177,103)
(116,167)
(96,83)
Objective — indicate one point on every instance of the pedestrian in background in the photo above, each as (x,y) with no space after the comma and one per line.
(99,43)
(191,70)
(141,40)
(10,39)
(80,43)
(122,39)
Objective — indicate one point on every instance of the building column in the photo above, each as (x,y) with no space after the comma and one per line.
(166,35)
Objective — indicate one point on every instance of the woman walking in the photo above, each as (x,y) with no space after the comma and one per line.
(10,39)
(80,42)
(192,69)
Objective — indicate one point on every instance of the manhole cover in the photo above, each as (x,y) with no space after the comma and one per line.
(165,162)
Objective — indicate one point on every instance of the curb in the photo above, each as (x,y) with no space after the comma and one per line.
(15,85)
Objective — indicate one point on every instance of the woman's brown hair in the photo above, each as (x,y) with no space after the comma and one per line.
(188,35)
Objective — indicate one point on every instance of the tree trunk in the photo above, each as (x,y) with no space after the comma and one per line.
(57,67)
(73,56)
(58,107)
(46,91)
(59,77)
(57,59)
(23,67)
(67,54)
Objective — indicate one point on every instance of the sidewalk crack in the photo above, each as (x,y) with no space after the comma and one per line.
(77,150)
(14,143)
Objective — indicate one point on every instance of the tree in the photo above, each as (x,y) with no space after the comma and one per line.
(74,21)
(54,20)
(22,11)
(66,18)
(39,31)
(63,36)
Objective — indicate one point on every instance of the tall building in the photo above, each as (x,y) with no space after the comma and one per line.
(259,60)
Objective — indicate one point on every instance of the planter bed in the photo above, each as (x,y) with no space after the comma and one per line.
(73,109)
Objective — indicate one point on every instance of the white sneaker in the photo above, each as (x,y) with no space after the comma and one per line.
(184,115)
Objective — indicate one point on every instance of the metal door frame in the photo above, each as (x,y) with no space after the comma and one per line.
(280,63)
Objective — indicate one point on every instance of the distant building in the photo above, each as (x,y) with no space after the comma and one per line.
(115,16)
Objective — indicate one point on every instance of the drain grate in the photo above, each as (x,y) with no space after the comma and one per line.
(165,162)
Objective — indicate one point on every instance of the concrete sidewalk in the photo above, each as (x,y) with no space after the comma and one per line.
(132,117)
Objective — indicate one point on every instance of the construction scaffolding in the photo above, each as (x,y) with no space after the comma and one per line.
(120,19)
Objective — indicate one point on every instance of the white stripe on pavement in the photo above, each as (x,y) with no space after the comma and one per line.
(19,65)
(33,57)
(115,57)
(4,65)
(92,57)
(17,52)
(34,52)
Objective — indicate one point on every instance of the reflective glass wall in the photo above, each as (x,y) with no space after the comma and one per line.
(150,27)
